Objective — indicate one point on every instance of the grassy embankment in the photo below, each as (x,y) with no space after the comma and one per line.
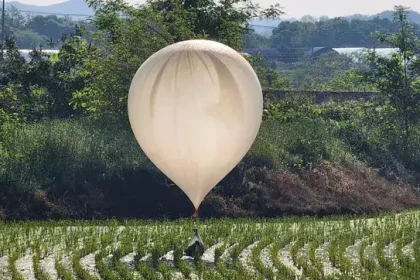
(307,159)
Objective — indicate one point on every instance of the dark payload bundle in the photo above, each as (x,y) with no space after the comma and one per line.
(196,245)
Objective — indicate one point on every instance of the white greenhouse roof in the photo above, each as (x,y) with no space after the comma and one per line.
(26,52)
(385,52)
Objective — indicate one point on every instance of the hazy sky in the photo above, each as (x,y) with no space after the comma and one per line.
(299,8)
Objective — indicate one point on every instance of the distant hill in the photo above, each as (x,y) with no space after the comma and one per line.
(263,27)
(69,7)
(79,7)
(413,16)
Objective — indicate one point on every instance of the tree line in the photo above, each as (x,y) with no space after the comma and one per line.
(335,32)
(46,30)
(33,31)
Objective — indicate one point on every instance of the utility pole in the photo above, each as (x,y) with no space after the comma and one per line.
(2,26)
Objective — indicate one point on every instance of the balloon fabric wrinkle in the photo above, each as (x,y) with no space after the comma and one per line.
(155,86)
(207,68)
(227,103)
(175,81)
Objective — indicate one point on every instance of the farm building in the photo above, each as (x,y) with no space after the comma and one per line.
(353,52)
(317,51)
(295,55)
(25,53)
(270,53)
(273,54)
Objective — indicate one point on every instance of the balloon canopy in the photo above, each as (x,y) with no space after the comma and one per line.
(195,108)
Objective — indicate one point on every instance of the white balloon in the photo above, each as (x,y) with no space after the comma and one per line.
(195,108)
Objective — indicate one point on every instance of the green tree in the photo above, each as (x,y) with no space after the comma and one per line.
(41,86)
(34,31)
(254,40)
(21,93)
(125,42)
(27,39)
(70,72)
(398,77)
(335,32)
(350,80)
(312,74)
(269,77)
(50,26)
(14,19)
(15,26)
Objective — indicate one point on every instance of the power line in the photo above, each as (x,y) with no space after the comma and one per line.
(263,26)
(2,25)
(57,14)
(88,16)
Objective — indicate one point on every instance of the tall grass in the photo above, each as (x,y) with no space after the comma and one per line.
(295,145)
(66,151)
(63,152)
(98,166)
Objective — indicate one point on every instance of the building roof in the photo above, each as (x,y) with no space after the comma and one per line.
(387,52)
(295,54)
(317,51)
(265,52)
(352,52)
(25,53)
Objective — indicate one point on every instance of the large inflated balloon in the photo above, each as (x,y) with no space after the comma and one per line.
(195,108)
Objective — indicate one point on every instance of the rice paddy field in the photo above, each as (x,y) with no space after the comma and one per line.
(382,247)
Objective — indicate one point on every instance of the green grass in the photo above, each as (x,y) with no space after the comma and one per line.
(295,145)
(84,168)
(64,152)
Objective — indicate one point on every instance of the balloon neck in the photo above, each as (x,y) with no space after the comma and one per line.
(195,215)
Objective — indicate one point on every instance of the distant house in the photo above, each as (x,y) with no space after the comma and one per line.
(352,52)
(273,54)
(269,53)
(317,51)
(26,53)
(292,56)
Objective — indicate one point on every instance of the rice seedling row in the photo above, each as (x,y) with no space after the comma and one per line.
(385,247)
